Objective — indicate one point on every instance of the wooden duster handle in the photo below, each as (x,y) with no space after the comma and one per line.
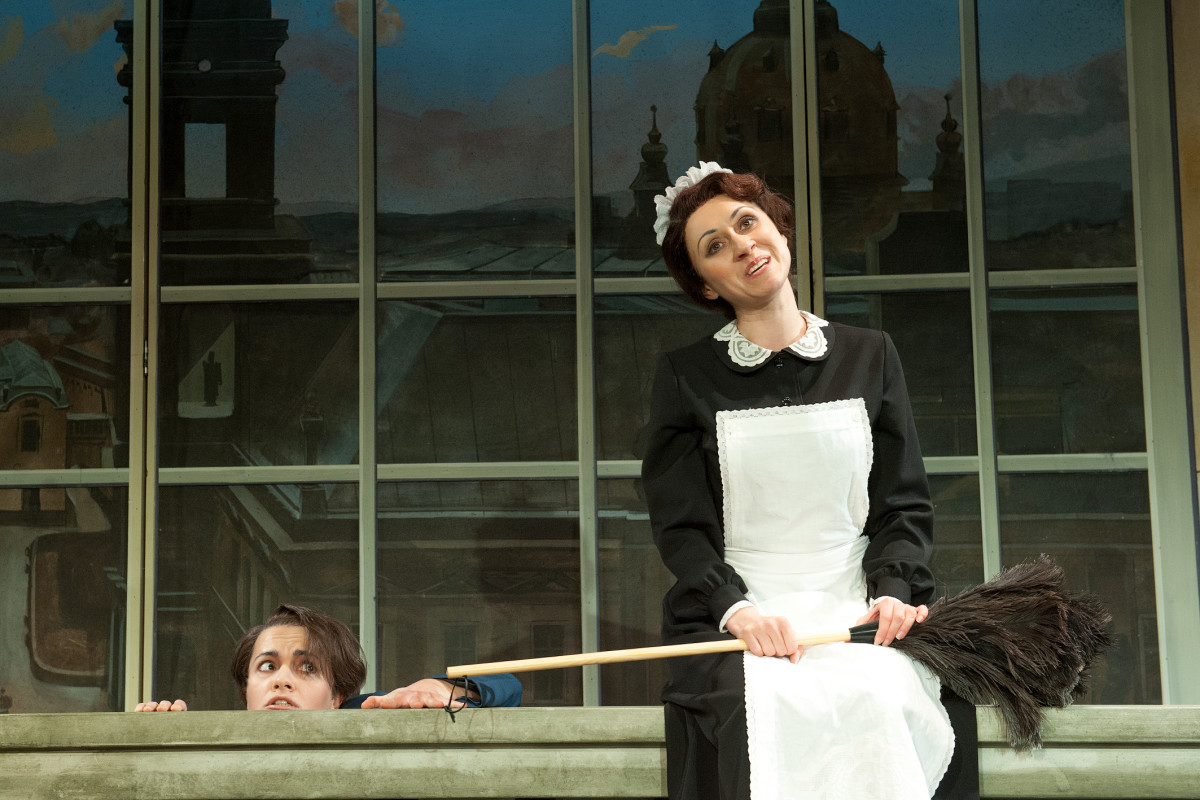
(861,633)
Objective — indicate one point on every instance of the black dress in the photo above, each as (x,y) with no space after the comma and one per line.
(705,711)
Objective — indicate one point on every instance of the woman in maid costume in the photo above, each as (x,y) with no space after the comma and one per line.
(787,493)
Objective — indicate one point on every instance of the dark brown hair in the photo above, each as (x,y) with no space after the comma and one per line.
(334,648)
(746,188)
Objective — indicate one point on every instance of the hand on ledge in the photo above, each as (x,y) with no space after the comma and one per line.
(425,693)
(162,705)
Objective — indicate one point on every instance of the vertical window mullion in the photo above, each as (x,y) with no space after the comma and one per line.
(810,276)
(1172,469)
(144,193)
(589,560)
(143,344)
(989,503)
(367,505)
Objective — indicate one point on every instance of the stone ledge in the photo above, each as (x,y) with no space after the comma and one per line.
(1090,751)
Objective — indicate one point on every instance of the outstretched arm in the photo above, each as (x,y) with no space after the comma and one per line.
(486,691)
(425,693)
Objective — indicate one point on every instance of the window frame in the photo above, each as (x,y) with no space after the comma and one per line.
(1168,460)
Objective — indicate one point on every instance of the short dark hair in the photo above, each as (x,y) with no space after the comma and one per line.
(745,187)
(333,645)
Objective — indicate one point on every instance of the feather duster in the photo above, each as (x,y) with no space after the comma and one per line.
(1020,641)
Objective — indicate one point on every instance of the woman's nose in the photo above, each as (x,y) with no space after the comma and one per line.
(742,244)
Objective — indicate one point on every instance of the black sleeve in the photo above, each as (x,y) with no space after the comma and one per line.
(900,522)
(684,515)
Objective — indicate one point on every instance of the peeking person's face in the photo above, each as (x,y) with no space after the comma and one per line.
(284,676)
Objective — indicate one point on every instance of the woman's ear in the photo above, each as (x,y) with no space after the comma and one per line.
(709,293)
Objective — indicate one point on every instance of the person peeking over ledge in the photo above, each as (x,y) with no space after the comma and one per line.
(301,659)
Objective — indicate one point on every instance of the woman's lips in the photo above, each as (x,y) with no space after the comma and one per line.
(757,266)
(280,703)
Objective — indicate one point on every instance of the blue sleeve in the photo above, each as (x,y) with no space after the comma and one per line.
(495,691)
(357,700)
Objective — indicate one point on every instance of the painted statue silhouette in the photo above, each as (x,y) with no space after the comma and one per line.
(212,379)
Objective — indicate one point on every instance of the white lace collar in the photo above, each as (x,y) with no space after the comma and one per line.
(744,353)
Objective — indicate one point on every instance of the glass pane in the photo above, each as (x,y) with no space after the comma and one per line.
(1096,526)
(258,383)
(227,556)
(889,107)
(64,146)
(932,333)
(957,561)
(664,96)
(1067,371)
(1056,159)
(64,386)
(480,571)
(62,569)
(633,582)
(632,333)
(259,142)
(476,154)
(477,380)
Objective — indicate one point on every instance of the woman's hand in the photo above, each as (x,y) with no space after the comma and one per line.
(162,705)
(425,693)
(895,619)
(765,636)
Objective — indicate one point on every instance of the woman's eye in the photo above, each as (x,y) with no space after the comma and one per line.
(266,666)
(747,221)
(714,247)
(308,666)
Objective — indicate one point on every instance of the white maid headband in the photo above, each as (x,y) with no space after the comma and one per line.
(663,202)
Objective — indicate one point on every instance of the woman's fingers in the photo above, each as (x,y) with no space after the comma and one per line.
(918,616)
(161,705)
(773,636)
(896,619)
(764,636)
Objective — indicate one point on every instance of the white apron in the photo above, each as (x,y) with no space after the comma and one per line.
(848,721)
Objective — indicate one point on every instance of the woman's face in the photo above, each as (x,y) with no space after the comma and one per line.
(284,676)
(738,253)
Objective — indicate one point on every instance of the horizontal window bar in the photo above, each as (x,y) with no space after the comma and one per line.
(1074,462)
(256,293)
(419,290)
(90,295)
(470,471)
(512,470)
(951,465)
(1041,278)
(38,478)
(636,286)
(897,283)
(631,468)
(302,473)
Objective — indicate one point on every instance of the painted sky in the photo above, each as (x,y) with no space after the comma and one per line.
(475,96)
